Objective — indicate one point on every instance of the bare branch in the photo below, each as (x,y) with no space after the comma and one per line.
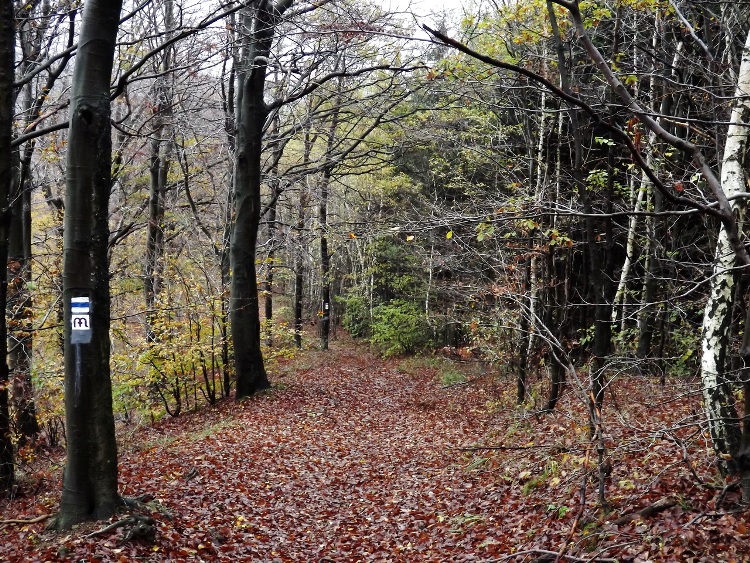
(720,213)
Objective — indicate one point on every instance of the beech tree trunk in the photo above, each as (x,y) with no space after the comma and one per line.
(325,186)
(90,478)
(161,148)
(7,55)
(268,283)
(718,397)
(251,117)
(325,261)
(299,265)
(299,260)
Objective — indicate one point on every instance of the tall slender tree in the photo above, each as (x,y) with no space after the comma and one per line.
(260,21)
(36,28)
(7,55)
(161,148)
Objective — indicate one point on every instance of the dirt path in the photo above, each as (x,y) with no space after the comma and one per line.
(351,461)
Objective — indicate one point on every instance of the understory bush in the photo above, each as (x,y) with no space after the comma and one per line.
(399,327)
(356,315)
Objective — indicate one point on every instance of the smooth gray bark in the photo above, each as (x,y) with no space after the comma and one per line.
(252,112)
(90,479)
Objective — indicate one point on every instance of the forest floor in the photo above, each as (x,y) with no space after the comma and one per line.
(352,458)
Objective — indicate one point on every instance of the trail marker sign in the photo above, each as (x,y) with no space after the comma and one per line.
(80,320)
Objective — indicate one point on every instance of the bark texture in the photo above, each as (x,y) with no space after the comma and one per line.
(252,112)
(90,479)
(717,394)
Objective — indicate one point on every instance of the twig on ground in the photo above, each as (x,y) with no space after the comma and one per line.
(703,515)
(122,522)
(659,506)
(559,448)
(4,523)
(685,456)
(722,495)
(551,554)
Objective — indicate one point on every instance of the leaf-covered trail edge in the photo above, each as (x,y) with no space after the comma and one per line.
(352,459)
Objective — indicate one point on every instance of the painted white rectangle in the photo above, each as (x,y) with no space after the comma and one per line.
(80,322)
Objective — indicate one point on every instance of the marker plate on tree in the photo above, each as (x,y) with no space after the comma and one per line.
(80,321)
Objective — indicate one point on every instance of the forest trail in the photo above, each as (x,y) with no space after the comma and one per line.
(350,458)
(347,459)
(351,461)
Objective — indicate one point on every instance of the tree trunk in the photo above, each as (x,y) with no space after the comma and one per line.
(20,313)
(226,281)
(559,270)
(276,189)
(161,147)
(620,298)
(268,284)
(299,262)
(222,250)
(251,117)
(718,399)
(7,56)
(649,312)
(524,328)
(325,263)
(325,185)
(90,479)
(601,278)
(299,266)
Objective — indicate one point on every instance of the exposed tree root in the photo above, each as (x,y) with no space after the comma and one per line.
(146,503)
(137,526)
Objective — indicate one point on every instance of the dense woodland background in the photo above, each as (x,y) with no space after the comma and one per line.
(553,190)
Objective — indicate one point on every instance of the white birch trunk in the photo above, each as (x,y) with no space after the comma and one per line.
(538,196)
(719,402)
(645,186)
